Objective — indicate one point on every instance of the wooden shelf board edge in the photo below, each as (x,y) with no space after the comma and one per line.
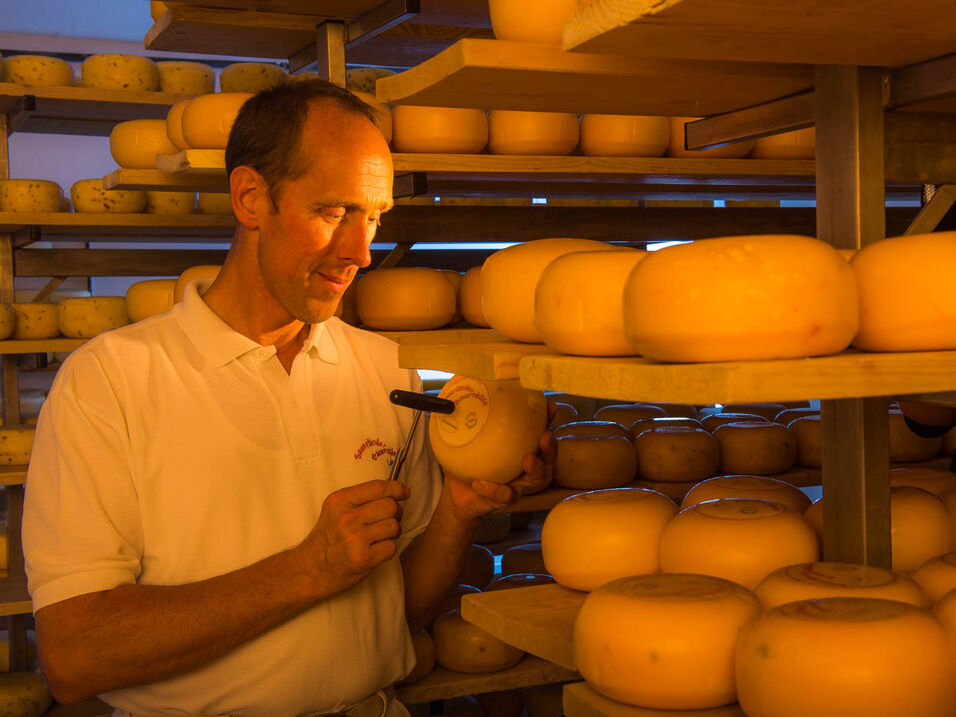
(39,346)
(443,336)
(494,361)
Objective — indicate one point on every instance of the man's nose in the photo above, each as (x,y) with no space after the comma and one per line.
(355,243)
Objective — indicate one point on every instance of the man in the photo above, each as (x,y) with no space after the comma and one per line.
(206,530)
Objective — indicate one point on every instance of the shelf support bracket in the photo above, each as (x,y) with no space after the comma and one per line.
(330,51)
(783,115)
(412,184)
(395,255)
(26,106)
(934,210)
(925,82)
(46,292)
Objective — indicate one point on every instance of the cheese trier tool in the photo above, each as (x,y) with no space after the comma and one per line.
(418,402)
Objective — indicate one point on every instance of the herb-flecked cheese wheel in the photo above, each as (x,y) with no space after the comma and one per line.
(170,202)
(178,77)
(35,320)
(120,72)
(16,442)
(8,321)
(214,203)
(88,195)
(24,694)
(250,77)
(37,70)
(30,195)
(85,317)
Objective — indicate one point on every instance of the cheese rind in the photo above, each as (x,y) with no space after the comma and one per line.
(185,78)
(463,647)
(35,320)
(534,22)
(214,203)
(624,135)
(170,202)
(135,144)
(16,442)
(120,72)
(200,271)
(469,297)
(37,70)
(174,124)
(251,77)
(8,321)
(25,694)
(937,576)
(439,130)
(86,317)
(593,462)
(30,195)
(148,298)
(676,454)
(383,115)
(88,195)
(207,119)
(533,133)
(746,486)
(810,581)
(405,299)
(363,79)
(800,144)
(755,448)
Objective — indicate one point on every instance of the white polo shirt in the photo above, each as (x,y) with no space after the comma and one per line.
(176,449)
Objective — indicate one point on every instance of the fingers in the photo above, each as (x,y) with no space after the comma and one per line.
(497,494)
(370,491)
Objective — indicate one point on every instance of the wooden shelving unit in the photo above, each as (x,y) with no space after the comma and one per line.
(14,598)
(66,226)
(581,701)
(13,475)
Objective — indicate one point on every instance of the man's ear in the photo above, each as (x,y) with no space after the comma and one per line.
(247,188)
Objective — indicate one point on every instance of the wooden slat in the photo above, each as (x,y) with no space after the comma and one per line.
(166,181)
(112,262)
(39,346)
(14,598)
(493,361)
(442,684)
(212,161)
(537,619)
(13,475)
(582,701)
(443,336)
(491,74)
(884,33)
(126,226)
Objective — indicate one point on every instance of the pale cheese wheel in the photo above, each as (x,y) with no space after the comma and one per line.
(592,538)
(921,316)
(383,115)
(35,320)
(509,278)
(463,647)
(469,297)
(678,148)
(563,413)
(757,306)
(935,481)
(532,133)
(135,144)
(179,77)
(157,9)
(768,410)
(624,135)
(24,694)
(8,321)
(937,576)
(590,428)
(647,424)
(16,442)
(808,434)
(627,413)
(920,527)
(906,446)
(789,415)
(30,195)
(86,317)
(174,124)
(755,448)
(200,271)
(799,144)
(494,426)
(676,454)
(88,195)
(526,559)
(170,202)
(534,22)
(439,130)
(208,119)
(744,486)
(214,203)
(663,641)
(479,568)
(405,299)
(148,298)
(714,421)
(737,539)
(575,314)
(424,647)
(363,79)
(810,581)
(592,462)
(454,277)
(120,72)
(837,657)
(250,77)
(37,70)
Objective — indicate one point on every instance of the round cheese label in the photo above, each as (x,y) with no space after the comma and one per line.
(472,401)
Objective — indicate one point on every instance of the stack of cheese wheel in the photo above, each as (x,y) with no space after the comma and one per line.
(37,70)
(835,657)
(88,195)
(800,144)
(627,413)
(678,146)
(592,538)
(906,446)
(439,130)
(807,433)
(250,77)
(624,135)
(363,79)
(714,421)
(509,278)
(383,116)
(533,133)
(469,297)
(756,305)
(788,415)
(647,424)
(809,581)
(935,481)
(135,144)
(564,413)
(675,410)
(755,448)
(576,313)
(937,576)
(206,120)
(185,78)
(16,442)
(174,124)
(148,298)
(588,462)
(193,273)
(30,195)
(85,317)
(591,428)
(744,486)
(120,72)
(494,426)
(676,454)
(405,299)
(663,641)
(454,278)
(737,539)
(463,647)
(170,202)
(35,320)
(510,20)
(769,411)
(920,317)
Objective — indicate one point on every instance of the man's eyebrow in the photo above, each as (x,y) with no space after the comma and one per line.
(353,206)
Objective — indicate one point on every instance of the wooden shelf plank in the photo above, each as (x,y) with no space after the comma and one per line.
(189,181)
(199,161)
(125,226)
(884,33)
(442,684)
(537,619)
(39,346)
(14,598)
(491,74)
(443,336)
(498,360)
(581,701)
(13,475)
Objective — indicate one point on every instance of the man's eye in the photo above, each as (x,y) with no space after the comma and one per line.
(334,215)
(375,220)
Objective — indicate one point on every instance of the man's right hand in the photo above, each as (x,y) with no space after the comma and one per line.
(355,532)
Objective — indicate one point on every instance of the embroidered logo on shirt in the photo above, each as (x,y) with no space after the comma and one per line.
(377,449)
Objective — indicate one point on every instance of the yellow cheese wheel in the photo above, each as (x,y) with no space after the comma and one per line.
(120,72)
(676,454)
(945,612)
(591,462)
(663,641)
(174,124)
(25,693)
(716,420)
(157,9)
(207,119)
(214,203)
(678,148)
(922,316)
(755,448)
(814,517)
(647,424)
(682,410)
(15,445)
(590,428)
(789,415)
(88,195)
(575,314)
(494,426)
(737,539)
(920,527)
(543,133)
(743,486)
(135,144)
(85,317)
(627,413)
(592,538)
(906,446)
(454,277)
(479,568)
(178,77)
(837,657)
(35,320)
(37,70)
(250,77)
(201,271)
(463,647)
(148,298)
(405,299)
(808,434)
(469,297)
(809,581)
(526,559)
(766,410)
(424,657)
(363,79)
(800,144)
(937,576)
(535,22)
(170,202)
(30,195)
(510,276)
(935,481)
(8,321)
(759,304)
(383,115)
(439,130)
(624,135)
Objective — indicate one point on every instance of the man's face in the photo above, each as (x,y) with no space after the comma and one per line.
(312,247)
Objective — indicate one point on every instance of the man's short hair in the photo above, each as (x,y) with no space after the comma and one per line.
(267,133)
